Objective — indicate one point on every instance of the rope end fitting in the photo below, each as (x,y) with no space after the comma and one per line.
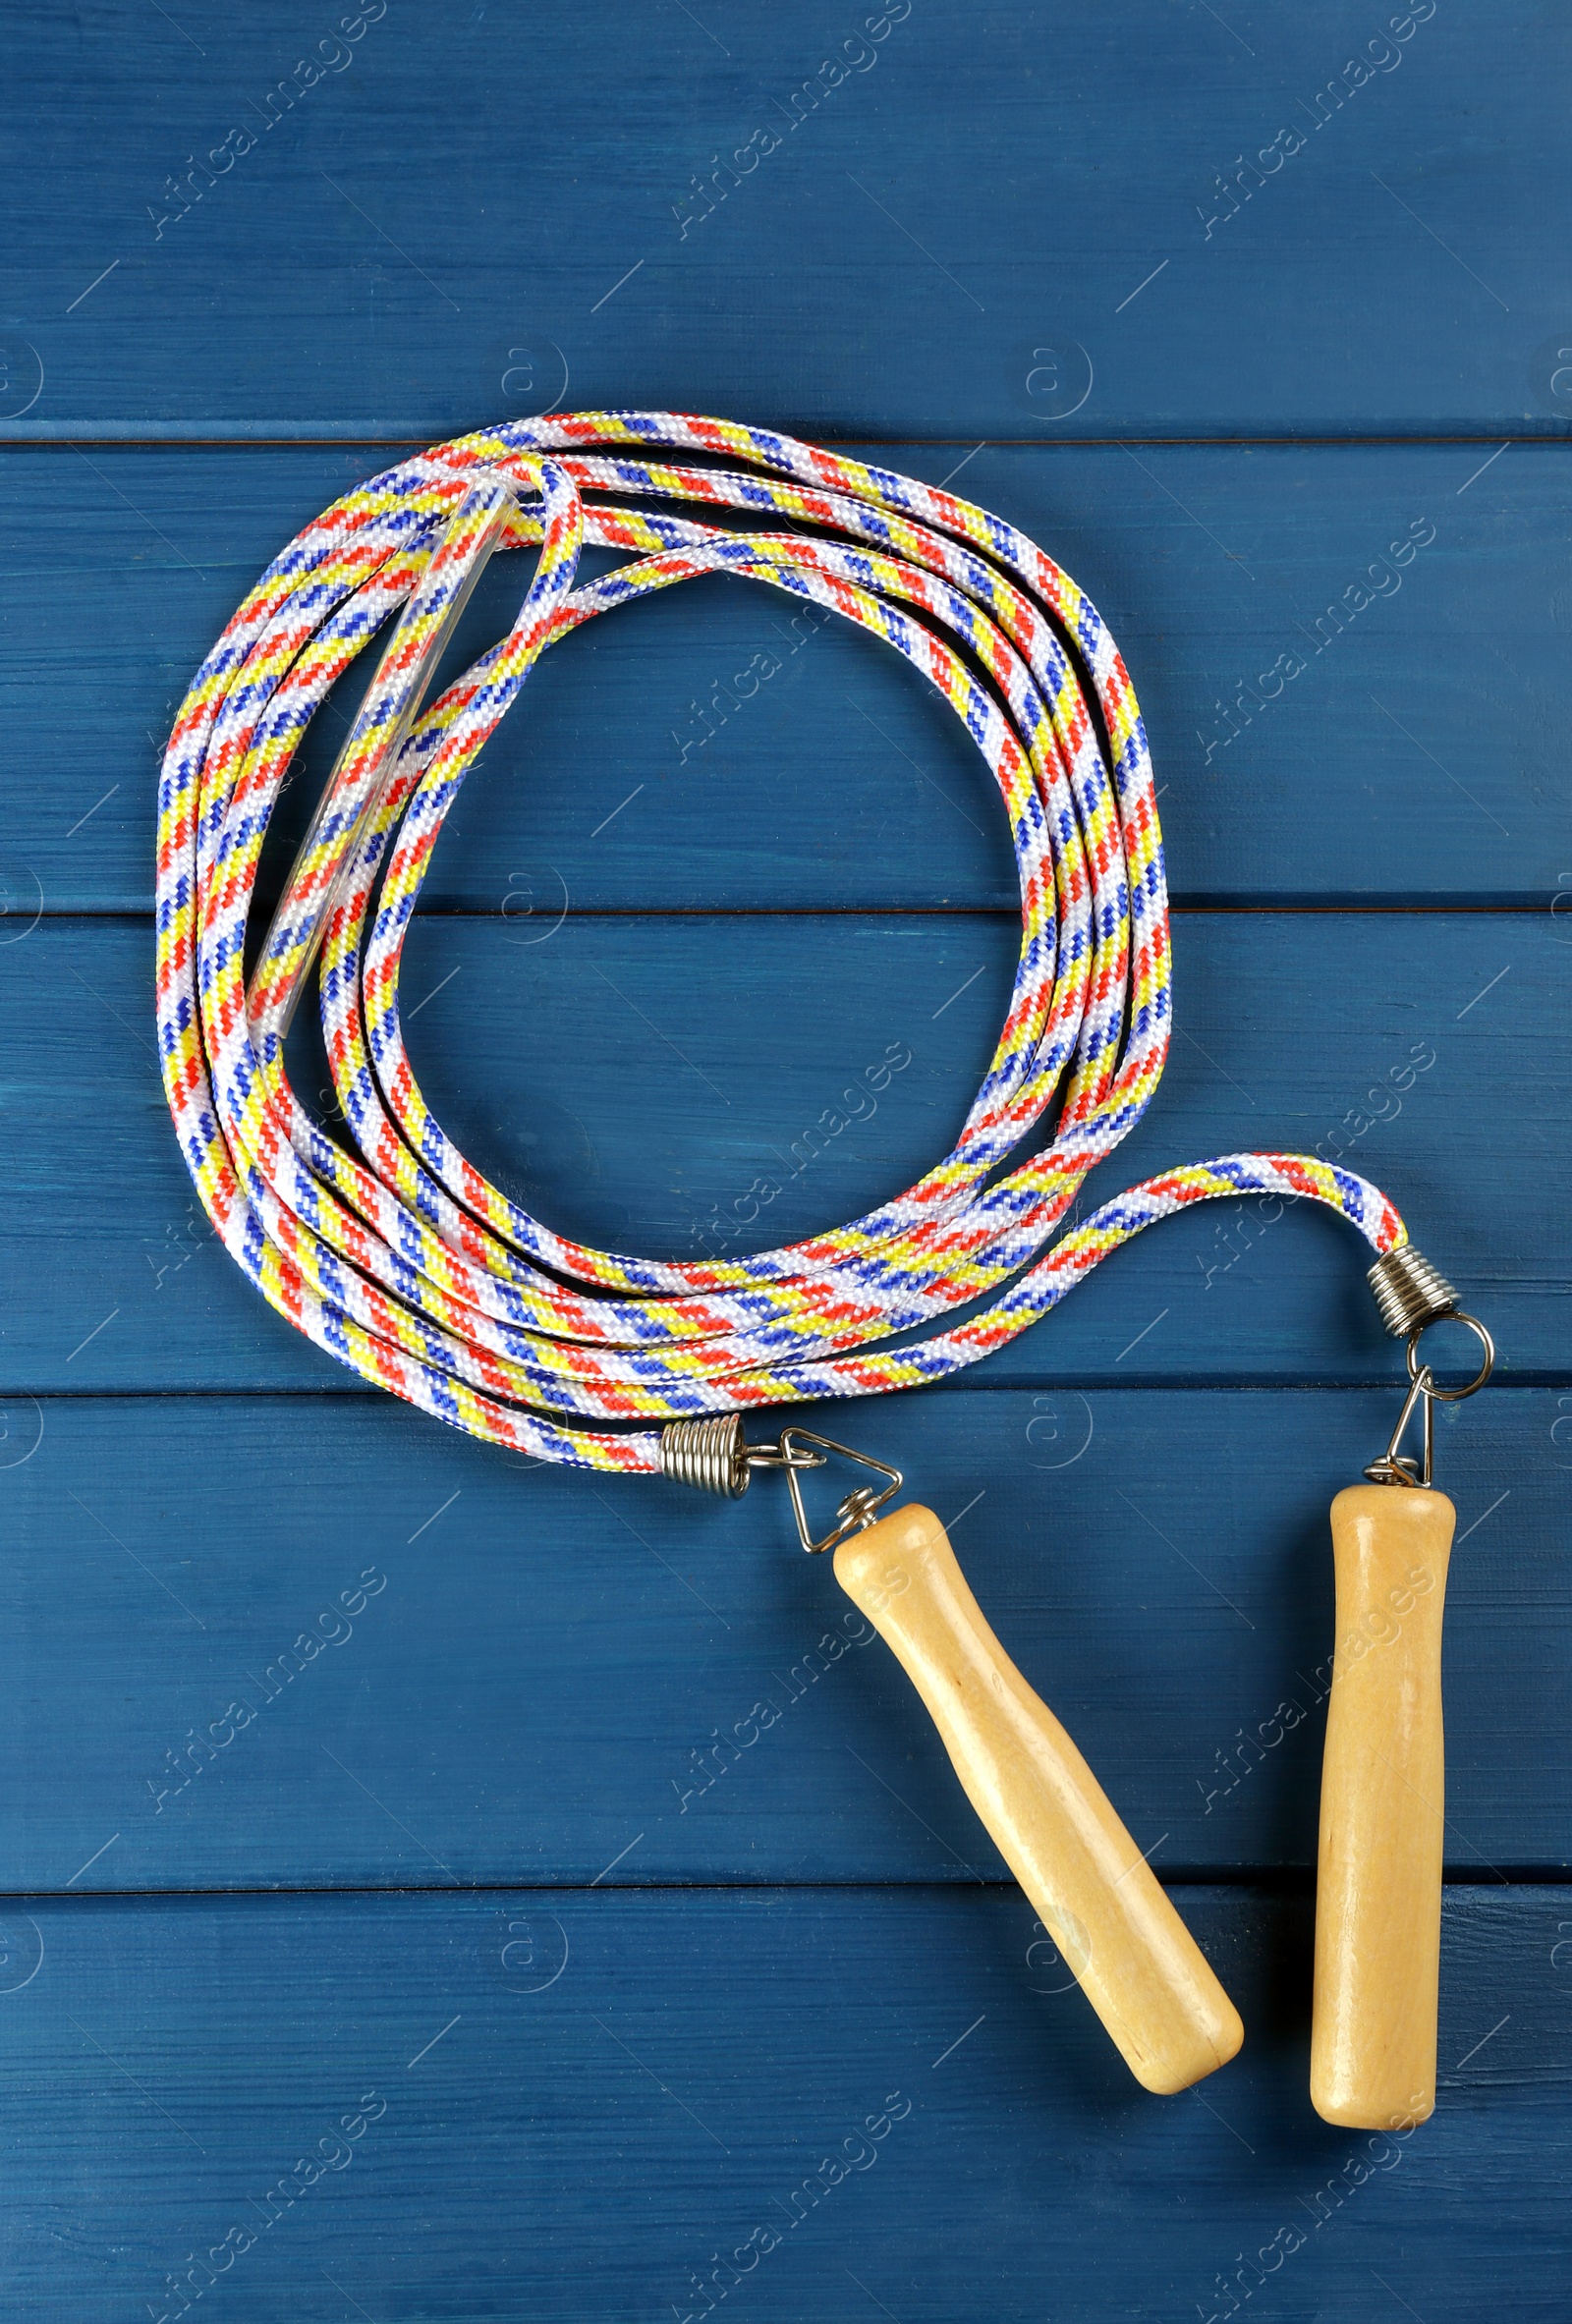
(715,1457)
(1411,1294)
(1409,1291)
(707,1454)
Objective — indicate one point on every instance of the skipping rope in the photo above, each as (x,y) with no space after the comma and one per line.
(390,1248)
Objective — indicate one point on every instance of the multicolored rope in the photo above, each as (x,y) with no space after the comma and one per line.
(402,1259)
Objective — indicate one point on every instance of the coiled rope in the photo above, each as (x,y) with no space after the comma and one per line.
(401,1258)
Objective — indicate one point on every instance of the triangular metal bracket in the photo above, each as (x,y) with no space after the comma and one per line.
(859,1507)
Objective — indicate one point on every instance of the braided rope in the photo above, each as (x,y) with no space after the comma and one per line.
(402,1259)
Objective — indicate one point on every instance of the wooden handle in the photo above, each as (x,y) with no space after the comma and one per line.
(1141,1968)
(1378,1889)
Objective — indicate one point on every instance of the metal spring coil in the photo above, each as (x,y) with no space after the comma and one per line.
(1409,1290)
(707,1454)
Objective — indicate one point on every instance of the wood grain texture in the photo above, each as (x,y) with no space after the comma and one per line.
(619,2092)
(1414,754)
(1382,1811)
(560,1678)
(610,1075)
(1115,1928)
(913,218)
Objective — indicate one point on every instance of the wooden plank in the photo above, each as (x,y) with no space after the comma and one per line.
(861,2093)
(359,242)
(1413,754)
(645,1083)
(303,1641)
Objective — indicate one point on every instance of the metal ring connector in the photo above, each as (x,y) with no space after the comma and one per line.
(1452,1394)
(1400,1468)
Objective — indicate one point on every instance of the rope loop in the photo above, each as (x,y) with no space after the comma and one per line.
(402,1258)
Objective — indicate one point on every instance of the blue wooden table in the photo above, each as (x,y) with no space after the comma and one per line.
(408,1912)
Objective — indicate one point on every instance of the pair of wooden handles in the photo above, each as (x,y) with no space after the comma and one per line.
(1378,1909)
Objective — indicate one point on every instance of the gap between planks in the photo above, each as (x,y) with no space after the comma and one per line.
(1292,439)
(1524,906)
(1264,1879)
(1133,1384)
